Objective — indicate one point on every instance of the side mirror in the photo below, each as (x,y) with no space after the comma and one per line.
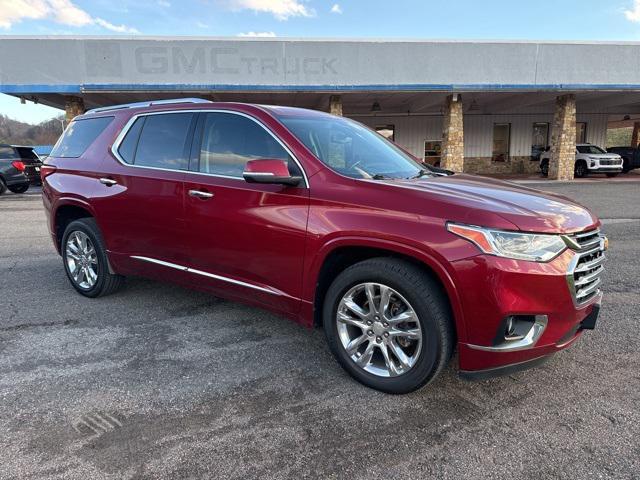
(267,170)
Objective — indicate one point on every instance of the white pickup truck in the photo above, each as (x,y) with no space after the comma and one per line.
(589,159)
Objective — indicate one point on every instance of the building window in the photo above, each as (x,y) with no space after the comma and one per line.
(581,132)
(501,140)
(432,152)
(387,131)
(539,140)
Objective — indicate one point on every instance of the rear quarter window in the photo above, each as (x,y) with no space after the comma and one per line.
(78,136)
(7,152)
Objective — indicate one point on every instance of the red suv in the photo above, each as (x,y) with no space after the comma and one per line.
(320,219)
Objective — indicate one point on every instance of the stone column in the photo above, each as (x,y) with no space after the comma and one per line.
(453,135)
(563,139)
(635,138)
(73,106)
(335,105)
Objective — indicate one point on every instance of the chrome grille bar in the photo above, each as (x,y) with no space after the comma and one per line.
(586,267)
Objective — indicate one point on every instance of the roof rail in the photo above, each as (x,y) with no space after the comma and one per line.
(148,104)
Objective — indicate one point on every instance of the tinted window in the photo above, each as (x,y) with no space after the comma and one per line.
(27,153)
(79,135)
(7,152)
(229,141)
(589,149)
(164,142)
(127,148)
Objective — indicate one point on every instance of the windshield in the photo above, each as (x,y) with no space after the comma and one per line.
(590,149)
(352,149)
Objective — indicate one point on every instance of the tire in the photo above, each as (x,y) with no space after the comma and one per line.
(544,168)
(625,165)
(580,170)
(424,297)
(19,188)
(3,186)
(105,282)
(611,175)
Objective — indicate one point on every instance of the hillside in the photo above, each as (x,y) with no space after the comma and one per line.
(19,133)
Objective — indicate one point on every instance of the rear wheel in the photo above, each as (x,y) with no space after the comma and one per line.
(388,324)
(19,188)
(580,170)
(85,260)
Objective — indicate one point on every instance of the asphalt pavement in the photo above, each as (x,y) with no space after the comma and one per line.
(161,382)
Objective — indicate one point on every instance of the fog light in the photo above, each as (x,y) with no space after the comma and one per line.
(516,327)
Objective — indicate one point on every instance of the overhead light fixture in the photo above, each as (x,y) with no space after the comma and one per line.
(376,107)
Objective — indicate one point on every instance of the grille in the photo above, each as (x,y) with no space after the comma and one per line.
(610,162)
(587,265)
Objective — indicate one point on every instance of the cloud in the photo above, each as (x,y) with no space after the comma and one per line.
(164,3)
(336,8)
(633,15)
(280,9)
(257,34)
(201,25)
(64,12)
(115,28)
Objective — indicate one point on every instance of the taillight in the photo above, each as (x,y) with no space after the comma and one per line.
(46,170)
(18,165)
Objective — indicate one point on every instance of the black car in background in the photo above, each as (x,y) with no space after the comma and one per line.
(19,168)
(630,157)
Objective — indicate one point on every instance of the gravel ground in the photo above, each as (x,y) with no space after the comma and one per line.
(160,382)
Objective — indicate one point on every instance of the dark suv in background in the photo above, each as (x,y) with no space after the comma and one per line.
(320,219)
(19,168)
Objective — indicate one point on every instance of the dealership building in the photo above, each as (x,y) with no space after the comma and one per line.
(480,107)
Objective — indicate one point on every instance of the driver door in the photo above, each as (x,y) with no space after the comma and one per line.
(246,240)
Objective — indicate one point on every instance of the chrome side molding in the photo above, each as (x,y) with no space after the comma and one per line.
(205,274)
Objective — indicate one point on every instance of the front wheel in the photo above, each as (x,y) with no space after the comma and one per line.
(19,188)
(580,170)
(388,323)
(85,259)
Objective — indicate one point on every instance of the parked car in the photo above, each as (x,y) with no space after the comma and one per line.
(630,157)
(320,219)
(589,159)
(19,168)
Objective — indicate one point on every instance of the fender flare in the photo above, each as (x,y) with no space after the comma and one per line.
(428,259)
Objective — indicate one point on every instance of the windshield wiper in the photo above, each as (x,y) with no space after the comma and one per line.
(421,173)
(379,176)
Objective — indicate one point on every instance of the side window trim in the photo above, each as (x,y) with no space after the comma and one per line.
(199,112)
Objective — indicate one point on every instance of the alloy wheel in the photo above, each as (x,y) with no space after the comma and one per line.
(82,260)
(379,330)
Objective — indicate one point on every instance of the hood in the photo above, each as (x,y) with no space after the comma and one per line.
(528,209)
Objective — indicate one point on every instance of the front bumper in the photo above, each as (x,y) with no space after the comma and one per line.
(522,289)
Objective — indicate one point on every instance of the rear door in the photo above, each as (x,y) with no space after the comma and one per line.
(245,239)
(142,203)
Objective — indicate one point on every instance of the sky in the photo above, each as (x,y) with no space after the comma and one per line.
(615,20)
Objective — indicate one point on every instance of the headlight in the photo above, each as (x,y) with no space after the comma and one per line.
(520,246)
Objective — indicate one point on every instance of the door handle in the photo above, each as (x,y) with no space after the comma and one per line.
(109,182)
(200,194)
